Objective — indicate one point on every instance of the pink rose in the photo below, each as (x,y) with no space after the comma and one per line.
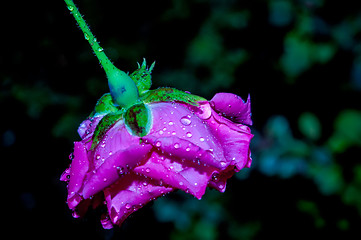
(187,147)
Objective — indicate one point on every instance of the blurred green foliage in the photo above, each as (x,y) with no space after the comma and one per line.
(300,61)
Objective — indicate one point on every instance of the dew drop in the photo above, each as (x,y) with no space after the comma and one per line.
(105,179)
(215,177)
(110,153)
(147,170)
(161,132)
(100,49)
(201,139)
(176,145)
(189,134)
(181,183)
(171,123)
(71,156)
(158,144)
(128,206)
(223,163)
(71,8)
(97,157)
(86,36)
(185,121)
(188,149)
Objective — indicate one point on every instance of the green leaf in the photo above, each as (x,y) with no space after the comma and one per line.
(138,119)
(104,105)
(104,125)
(171,95)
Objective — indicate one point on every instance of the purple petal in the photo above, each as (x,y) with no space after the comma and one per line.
(233,107)
(129,194)
(115,165)
(185,175)
(235,140)
(184,149)
(115,140)
(79,168)
(88,126)
(188,130)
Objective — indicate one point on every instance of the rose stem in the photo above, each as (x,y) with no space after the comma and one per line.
(122,88)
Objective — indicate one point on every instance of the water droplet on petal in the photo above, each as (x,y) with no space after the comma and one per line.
(181,183)
(105,179)
(147,170)
(110,153)
(97,157)
(185,121)
(158,144)
(176,145)
(215,177)
(171,123)
(188,149)
(128,206)
(201,139)
(189,134)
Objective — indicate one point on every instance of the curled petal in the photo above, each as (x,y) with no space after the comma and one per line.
(232,106)
(115,165)
(235,139)
(87,127)
(184,149)
(129,194)
(191,177)
(79,168)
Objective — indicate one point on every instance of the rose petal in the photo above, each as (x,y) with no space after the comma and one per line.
(129,194)
(108,172)
(233,107)
(235,139)
(115,140)
(188,176)
(87,127)
(79,168)
(184,149)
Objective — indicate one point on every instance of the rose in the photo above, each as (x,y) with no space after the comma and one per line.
(139,144)
(187,147)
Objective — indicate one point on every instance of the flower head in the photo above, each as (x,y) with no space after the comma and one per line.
(140,144)
(169,140)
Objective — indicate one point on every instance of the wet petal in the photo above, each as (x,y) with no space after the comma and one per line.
(115,140)
(232,106)
(88,126)
(109,171)
(79,168)
(191,177)
(235,140)
(129,194)
(184,149)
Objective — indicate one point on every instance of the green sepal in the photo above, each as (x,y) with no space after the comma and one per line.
(138,120)
(104,125)
(171,95)
(142,77)
(104,105)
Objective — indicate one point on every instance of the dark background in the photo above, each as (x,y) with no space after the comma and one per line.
(299,60)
